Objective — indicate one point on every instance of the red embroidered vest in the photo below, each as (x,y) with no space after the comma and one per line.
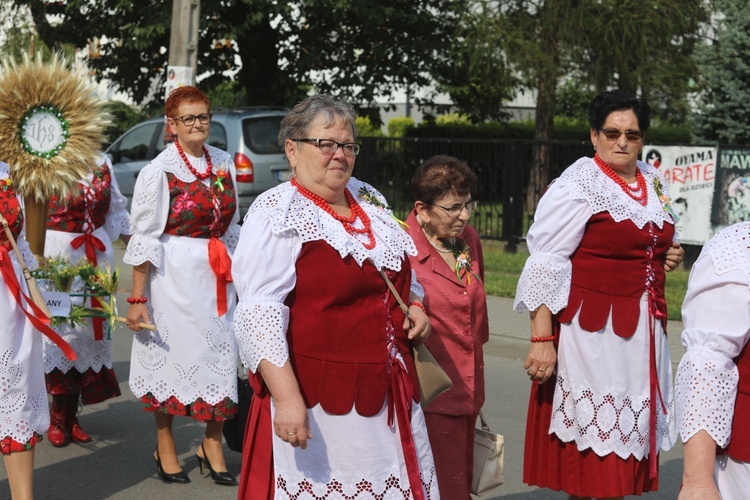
(69,214)
(739,446)
(11,210)
(611,269)
(197,210)
(337,330)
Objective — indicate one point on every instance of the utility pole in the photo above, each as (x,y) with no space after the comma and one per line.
(183,41)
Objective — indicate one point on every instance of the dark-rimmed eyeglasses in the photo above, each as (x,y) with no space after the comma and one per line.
(189,120)
(455,210)
(612,134)
(328,146)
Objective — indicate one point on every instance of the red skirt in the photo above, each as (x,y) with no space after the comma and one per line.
(551,463)
(198,410)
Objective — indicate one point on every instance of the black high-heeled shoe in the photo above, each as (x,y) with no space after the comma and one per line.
(177,477)
(226,477)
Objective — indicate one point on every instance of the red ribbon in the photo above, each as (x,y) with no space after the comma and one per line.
(11,281)
(92,244)
(656,308)
(400,397)
(222,267)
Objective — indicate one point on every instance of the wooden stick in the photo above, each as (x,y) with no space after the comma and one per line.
(36,295)
(145,326)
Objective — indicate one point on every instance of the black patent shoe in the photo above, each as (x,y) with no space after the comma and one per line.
(225,478)
(177,477)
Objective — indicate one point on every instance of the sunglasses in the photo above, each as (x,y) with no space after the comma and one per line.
(612,134)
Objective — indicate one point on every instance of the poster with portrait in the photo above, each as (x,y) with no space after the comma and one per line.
(690,172)
(732,193)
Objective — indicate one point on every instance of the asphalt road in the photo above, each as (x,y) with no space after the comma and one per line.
(118,463)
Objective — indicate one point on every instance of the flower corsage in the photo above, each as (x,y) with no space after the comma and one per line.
(666,203)
(222,173)
(460,251)
(5,184)
(365,195)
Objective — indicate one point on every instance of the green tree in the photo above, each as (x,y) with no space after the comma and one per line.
(643,46)
(277,50)
(723,111)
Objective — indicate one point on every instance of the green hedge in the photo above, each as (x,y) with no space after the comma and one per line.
(564,130)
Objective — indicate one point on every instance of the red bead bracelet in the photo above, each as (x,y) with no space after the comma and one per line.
(543,339)
(137,300)
(419,305)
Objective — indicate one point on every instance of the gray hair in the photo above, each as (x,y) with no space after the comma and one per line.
(296,124)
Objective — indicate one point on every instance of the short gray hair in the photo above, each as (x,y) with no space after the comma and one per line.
(296,124)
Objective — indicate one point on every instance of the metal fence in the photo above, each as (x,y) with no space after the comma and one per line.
(502,167)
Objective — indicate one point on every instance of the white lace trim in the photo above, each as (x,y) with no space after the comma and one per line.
(545,280)
(286,209)
(171,161)
(373,485)
(730,249)
(705,394)
(264,325)
(587,182)
(607,422)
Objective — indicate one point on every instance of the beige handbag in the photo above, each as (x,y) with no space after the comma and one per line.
(489,458)
(433,380)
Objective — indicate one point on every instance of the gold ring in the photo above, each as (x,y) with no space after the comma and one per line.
(290,434)
(541,369)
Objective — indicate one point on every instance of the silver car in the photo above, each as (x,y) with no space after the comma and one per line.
(249,134)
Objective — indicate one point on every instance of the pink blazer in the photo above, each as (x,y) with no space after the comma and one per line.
(458,312)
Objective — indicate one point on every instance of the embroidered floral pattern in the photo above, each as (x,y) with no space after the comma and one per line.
(69,214)
(9,445)
(197,210)
(199,410)
(11,210)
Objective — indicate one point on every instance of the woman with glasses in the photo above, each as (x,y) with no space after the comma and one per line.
(450,267)
(336,408)
(601,401)
(185,219)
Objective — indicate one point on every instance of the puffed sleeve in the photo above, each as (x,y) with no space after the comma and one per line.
(149,213)
(263,270)
(117,221)
(716,317)
(232,234)
(559,224)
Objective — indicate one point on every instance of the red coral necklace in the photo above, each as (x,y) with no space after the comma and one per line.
(640,188)
(200,176)
(347,222)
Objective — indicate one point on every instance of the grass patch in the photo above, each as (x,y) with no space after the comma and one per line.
(502,270)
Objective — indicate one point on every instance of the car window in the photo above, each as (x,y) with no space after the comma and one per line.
(217,137)
(134,146)
(262,134)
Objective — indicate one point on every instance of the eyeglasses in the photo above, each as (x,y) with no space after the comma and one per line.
(189,120)
(455,210)
(612,134)
(328,147)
